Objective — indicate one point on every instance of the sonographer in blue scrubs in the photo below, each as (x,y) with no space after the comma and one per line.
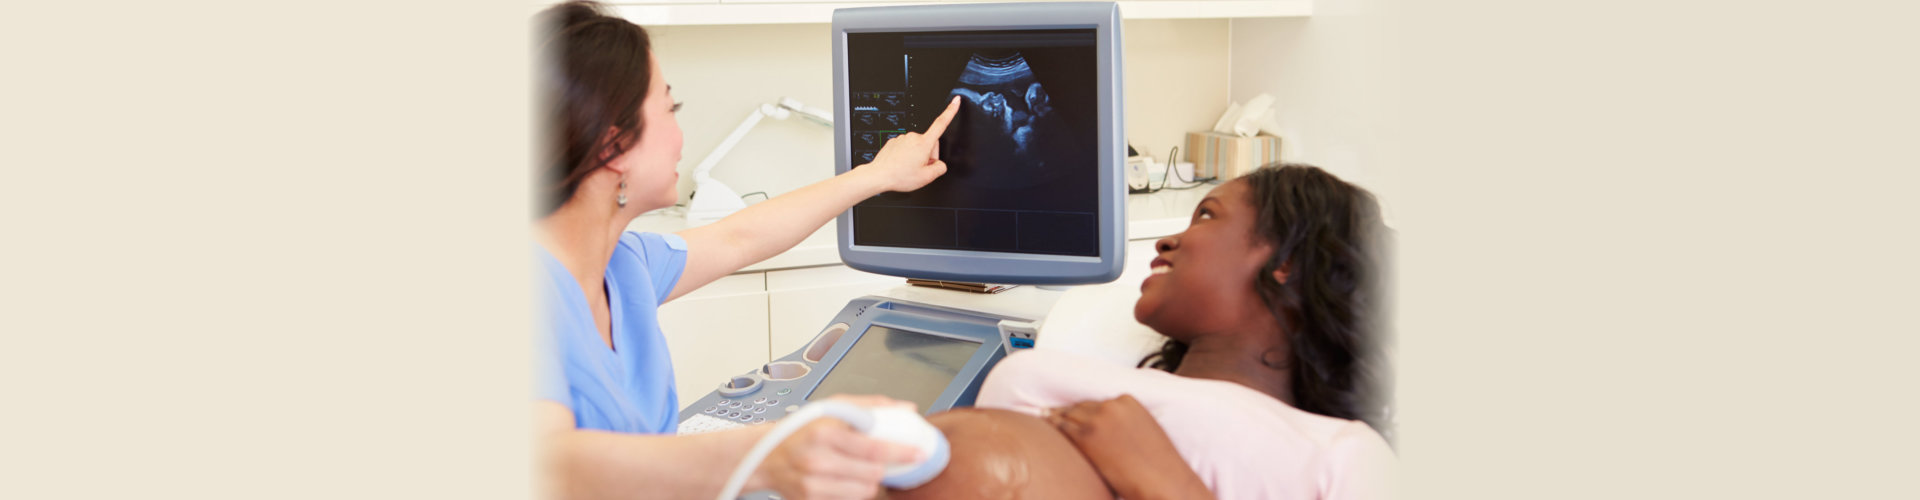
(627,387)
(604,409)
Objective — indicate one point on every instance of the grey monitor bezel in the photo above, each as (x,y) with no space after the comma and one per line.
(980,266)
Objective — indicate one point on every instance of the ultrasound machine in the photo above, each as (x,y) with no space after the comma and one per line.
(1034,195)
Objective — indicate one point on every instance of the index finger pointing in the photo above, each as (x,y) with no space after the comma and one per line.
(940,124)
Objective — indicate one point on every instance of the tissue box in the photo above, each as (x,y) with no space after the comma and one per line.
(1227,156)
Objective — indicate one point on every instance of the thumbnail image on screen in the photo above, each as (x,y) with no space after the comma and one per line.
(1022,158)
(899,364)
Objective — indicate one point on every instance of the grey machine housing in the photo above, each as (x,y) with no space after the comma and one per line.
(996,267)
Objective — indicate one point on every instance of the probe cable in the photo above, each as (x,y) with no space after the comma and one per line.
(860,419)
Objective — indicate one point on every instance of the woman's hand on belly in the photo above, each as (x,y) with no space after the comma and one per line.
(1129,449)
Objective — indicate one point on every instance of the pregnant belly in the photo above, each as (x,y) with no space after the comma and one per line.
(1007,455)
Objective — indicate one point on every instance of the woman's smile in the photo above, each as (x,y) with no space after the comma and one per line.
(1160,265)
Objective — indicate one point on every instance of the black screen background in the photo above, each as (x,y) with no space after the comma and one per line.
(1045,202)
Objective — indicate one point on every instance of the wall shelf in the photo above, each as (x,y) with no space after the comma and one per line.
(788,12)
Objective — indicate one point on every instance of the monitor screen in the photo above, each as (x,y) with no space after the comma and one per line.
(1022,154)
(899,364)
(1034,191)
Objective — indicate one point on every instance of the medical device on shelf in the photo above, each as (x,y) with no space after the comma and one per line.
(1034,194)
(713,200)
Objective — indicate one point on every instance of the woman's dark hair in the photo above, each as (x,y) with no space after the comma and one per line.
(1332,303)
(593,72)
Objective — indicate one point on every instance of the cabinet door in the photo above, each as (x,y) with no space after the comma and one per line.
(716,332)
(800,302)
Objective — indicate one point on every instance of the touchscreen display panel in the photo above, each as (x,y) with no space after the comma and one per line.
(899,364)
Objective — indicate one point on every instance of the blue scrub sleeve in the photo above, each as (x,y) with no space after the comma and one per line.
(549,362)
(665,256)
(550,377)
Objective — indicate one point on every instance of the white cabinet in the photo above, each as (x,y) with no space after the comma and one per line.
(716,332)
(742,321)
(800,302)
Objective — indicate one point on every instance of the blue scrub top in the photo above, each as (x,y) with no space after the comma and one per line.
(628,388)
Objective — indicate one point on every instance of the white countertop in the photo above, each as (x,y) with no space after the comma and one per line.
(1148,216)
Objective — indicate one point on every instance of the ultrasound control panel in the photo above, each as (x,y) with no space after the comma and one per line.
(933,356)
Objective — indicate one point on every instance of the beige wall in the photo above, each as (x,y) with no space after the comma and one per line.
(722,73)
(1325,75)
(1175,77)
(1176,80)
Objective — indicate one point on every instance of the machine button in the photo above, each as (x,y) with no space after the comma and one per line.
(762,409)
(733,414)
(746,418)
(773,402)
(711,409)
(760,401)
(735,404)
(760,420)
(784,392)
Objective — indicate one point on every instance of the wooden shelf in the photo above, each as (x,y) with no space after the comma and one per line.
(788,12)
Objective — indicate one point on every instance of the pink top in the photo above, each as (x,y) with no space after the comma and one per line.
(1241,442)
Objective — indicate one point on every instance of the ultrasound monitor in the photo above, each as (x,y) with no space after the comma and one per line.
(1034,192)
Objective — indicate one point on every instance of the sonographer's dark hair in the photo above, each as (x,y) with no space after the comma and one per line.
(1332,305)
(591,76)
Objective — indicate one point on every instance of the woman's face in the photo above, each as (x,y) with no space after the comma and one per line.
(1203,278)
(651,163)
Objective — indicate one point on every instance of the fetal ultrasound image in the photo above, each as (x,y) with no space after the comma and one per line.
(1010,133)
(1008,125)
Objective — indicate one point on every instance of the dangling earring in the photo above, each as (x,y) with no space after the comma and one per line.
(622,200)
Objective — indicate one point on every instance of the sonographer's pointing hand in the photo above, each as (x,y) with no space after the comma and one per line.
(912,160)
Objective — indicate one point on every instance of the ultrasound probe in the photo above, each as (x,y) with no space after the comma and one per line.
(894,424)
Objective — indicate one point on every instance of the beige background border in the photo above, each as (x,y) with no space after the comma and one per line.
(1650,248)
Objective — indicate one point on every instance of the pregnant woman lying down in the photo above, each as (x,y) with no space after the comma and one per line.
(1269,386)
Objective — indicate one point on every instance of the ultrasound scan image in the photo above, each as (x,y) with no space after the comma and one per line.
(1004,90)
(1009,130)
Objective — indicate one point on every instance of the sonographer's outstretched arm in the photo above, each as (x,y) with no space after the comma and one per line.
(767,228)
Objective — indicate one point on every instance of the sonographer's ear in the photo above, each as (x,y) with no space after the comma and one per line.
(609,150)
